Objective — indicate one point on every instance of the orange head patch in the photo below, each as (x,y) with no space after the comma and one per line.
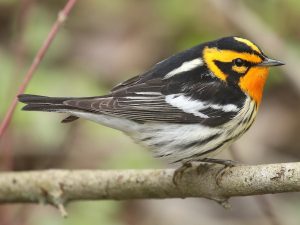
(238,61)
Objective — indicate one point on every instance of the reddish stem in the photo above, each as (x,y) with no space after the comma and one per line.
(39,56)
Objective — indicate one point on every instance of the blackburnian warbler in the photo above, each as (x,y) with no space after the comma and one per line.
(187,107)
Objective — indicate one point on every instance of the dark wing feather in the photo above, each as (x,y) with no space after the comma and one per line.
(150,106)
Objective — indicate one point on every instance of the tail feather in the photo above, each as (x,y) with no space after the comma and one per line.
(46,107)
(44,103)
(48,104)
(25,98)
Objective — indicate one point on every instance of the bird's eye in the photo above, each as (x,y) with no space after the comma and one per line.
(239,62)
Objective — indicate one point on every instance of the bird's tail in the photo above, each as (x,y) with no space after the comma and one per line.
(44,103)
(47,104)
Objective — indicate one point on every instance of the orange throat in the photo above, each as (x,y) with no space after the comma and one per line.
(254,81)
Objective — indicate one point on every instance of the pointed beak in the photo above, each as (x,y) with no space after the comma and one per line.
(270,62)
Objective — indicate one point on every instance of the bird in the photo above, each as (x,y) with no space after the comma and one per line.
(186,108)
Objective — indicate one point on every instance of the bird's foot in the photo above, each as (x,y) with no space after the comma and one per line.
(227,165)
(180,171)
(225,162)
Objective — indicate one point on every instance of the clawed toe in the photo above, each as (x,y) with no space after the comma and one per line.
(179,172)
(227,165)
(221,173)
(226,162)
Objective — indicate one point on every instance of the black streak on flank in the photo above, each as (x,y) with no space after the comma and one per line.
(146,139)
(201,142)
(195,156)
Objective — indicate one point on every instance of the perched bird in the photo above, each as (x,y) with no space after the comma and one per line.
(184,109)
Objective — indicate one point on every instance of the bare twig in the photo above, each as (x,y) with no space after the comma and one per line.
(39,56)
(60,186)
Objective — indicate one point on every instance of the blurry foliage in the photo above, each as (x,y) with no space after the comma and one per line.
(154,29)
(104,212)
(39,22)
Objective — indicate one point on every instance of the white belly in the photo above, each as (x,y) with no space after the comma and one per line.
(189,142)
(181,142)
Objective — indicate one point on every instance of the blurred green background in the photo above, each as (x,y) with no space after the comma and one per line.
(105,42)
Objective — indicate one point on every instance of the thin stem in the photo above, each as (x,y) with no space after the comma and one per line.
(39,56)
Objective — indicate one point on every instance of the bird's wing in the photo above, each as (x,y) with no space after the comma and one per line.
(158,100)
(179,89)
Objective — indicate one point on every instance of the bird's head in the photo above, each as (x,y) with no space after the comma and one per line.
(239,61)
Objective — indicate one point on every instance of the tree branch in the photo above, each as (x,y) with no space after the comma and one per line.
(58,187)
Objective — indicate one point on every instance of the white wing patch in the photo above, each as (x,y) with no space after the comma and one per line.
(186,104)
(192,106)
(225,108)
(186,66)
